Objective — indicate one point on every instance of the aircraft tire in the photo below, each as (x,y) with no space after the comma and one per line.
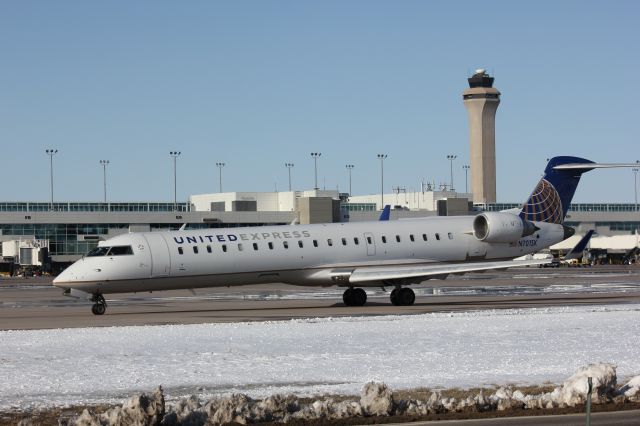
(347,297)
(354,297)
(394,297)
(98,309)
(359,297)
(406,297)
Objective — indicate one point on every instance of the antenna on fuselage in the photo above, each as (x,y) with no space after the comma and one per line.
(183,227)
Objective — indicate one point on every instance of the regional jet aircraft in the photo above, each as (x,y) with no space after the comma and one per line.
(383,253)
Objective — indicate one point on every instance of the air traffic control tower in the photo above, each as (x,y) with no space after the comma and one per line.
(482,100)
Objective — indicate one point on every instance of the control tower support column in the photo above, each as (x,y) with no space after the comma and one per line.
(482,101)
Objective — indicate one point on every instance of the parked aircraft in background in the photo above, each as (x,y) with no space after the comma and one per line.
(383,253)
(575,253)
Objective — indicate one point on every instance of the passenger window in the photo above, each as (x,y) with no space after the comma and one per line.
(437,236)
(270,245)
(315,243)
(240,248)
(120,251)
(330,242)
(411,238)
(450,236)
(208,249)
(255,246)
(300,243)
(384,239)
(180,250)
(195,249)
(424,237)
(285,244)
(398,238)
(224,248)
(356,241)
(344,241)
(369,240)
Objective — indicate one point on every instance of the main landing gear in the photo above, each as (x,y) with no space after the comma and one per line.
(354,297)
(100,305)
(402,296)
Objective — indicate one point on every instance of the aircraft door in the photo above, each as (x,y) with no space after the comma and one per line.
(160,258)
(370,241)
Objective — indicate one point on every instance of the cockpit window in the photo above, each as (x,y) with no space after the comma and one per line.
(120,250)
(98,251)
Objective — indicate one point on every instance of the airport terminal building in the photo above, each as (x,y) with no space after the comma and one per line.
(67,230)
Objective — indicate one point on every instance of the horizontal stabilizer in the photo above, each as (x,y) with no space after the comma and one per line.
(591,166)
(367,274)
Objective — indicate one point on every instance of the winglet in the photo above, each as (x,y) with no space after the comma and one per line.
(386,213)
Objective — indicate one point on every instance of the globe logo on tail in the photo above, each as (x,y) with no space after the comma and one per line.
(544,204)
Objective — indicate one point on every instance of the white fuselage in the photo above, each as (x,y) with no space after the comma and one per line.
(296,254)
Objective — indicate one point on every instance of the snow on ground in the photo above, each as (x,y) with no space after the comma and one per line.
(332,355)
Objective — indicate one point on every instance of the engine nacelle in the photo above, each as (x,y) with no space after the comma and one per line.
(498,227)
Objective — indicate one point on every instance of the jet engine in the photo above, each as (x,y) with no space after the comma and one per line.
(499,227)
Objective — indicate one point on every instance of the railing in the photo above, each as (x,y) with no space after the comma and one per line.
(576,207)
(93,207)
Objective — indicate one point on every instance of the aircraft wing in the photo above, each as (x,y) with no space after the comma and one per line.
(388,273)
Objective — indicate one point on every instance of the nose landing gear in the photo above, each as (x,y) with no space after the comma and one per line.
(354,297)
(100,305)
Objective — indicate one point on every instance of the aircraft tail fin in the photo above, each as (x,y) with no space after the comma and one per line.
(550,199)
(386,213)
(576,251)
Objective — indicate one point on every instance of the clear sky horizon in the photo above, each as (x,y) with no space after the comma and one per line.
(258,84)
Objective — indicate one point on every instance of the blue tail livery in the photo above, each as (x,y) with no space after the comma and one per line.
(550,199)
(386,213)
(576,251)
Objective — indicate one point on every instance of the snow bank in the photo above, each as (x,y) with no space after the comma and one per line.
(314,356)
(574,390)
(139,410)
(376,399)
(632,389)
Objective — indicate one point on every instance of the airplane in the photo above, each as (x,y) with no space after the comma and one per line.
(353,255)
(575,253)
(386,213)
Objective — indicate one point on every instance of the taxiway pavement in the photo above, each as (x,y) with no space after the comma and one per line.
(36,304)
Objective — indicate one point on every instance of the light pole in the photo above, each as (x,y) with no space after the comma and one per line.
(349,168)
(220,166)
(51,153)
(466,168)
(175,155)
(635,182)
(104,177)
(315,156)
(382,157)
(289,166)
(451,157)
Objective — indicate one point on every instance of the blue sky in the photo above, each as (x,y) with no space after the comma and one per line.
(257,84)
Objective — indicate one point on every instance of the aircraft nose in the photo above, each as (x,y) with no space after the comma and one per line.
(65,278)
